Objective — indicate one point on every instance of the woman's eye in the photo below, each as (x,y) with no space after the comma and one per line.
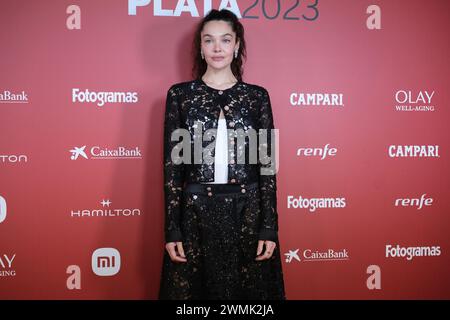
(226,40)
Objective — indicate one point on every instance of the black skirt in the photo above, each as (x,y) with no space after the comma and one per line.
(220,224)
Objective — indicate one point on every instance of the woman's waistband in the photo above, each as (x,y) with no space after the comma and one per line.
(220,188)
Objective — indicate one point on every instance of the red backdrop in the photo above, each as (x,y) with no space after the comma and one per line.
(393,82)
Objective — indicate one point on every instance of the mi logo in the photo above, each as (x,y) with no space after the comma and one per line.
(2,209)
(106,262)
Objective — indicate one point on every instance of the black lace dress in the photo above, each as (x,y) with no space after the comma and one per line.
(220,225)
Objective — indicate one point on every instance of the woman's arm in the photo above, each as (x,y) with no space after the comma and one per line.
(173,172)
(267,176)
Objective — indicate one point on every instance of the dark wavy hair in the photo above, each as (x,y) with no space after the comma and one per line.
(199,65)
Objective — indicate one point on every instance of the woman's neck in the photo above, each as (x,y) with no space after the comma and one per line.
(219,78)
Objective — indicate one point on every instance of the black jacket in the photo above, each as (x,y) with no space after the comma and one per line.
(245,106)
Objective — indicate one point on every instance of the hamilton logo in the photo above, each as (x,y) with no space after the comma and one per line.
(105,203)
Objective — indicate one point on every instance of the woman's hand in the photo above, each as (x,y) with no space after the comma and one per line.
(174,255)
(270,247)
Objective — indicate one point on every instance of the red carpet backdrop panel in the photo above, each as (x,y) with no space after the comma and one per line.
(359,92)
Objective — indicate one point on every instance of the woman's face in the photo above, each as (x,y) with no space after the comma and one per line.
(218,42)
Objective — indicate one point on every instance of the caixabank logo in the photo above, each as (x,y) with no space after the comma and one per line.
(105,153)
(7,96)
(292,255)
(312,255)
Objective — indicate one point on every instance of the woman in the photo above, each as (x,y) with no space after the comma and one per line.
(221,222)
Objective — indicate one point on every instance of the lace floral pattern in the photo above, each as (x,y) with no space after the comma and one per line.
(245,106)
(220,243)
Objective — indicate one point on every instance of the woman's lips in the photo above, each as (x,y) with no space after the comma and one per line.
(218,59)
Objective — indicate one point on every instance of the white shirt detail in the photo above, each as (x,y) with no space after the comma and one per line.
(221,152)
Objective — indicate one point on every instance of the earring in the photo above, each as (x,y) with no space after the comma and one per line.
(236,52)
(203,57)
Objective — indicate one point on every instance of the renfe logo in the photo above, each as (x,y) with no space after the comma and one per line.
(2,209)
(106,262)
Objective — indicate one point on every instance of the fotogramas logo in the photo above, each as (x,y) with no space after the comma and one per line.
(105,212)
(2,209)
(7,96)
(6,265)
(304,100)
(410,253)
(13,158)
(407,100)
(311,255)
(101,98)
(312,204)
(413,151)
(106,262)
(105,153)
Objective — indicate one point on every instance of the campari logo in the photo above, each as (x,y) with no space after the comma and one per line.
(413,151)
(301,99)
